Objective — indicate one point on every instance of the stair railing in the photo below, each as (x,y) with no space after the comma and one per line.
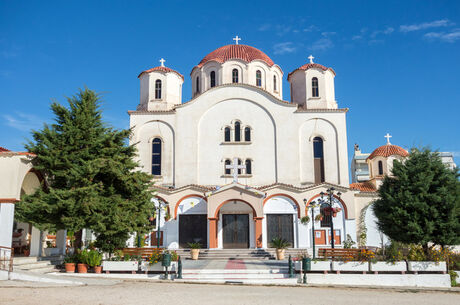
(6,259)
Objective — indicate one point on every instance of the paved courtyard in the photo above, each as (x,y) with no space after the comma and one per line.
(136,292)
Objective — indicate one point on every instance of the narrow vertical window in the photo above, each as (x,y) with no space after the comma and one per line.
(158,89)
(247,134)
(318,155)
(228,171)
(213,79)
(258,78)
(314,87)
(235,76)
(156,157)
(248,164)
(380,168)
(274,83)
(227,134)
(197,84)
(237,131)
(239,170)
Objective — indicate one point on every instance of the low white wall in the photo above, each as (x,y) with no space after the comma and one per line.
(388,280)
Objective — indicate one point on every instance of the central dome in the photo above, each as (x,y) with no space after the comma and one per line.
(236,51)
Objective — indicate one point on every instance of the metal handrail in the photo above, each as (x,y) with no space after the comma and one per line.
(6,261)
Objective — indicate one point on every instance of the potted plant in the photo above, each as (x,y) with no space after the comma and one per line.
(280,245)
(319,217)
(69,263)
(94,259)
(82,258)
(305,220)
(194,250)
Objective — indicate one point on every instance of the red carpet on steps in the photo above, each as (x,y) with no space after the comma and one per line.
(235,264)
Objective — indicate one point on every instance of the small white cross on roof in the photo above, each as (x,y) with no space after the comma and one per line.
(235,168)
(162,61)
(237,39)
(388,138)
(311,58)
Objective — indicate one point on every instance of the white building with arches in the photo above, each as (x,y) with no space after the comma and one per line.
(286,152)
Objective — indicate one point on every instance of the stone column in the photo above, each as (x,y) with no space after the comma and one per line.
(61,239)
(258,231)
(6,222)
(212,233)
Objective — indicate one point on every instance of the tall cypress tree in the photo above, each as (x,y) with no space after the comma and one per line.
(92,179)
(420,203)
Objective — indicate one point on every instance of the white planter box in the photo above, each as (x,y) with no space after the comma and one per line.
(145,266)
(388,266)
(350,266)
(315,265)
(51,251)
(120,266)
(427,266)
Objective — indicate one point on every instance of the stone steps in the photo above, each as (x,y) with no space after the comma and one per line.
(36,264)
(244,254)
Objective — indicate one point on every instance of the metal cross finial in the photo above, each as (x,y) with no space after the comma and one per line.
(311,58)
(235,167)
(237,39)
(388,138)
(162,61)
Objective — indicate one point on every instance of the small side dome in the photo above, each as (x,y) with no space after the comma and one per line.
(161,69)
(388,150)
(311,66)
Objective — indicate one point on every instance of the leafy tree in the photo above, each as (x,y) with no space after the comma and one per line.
(91,179)
(420,203)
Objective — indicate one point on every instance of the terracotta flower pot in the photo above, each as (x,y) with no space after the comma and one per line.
(82,268)
(98,269)
(279,254)
(26,252)
(195,253)
(70,267)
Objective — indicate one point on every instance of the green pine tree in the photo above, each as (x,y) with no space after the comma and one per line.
(92,180)
(421,202)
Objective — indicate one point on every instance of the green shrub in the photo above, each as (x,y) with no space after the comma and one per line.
(94,258)
(194,245)
(279,243)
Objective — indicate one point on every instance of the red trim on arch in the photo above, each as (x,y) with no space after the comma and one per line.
(345,209)
(216,214)
(185,197)
(161,198)
(285,195)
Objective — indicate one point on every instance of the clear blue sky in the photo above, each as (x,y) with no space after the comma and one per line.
(397,62)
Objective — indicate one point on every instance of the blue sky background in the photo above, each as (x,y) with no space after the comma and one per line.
(397,62)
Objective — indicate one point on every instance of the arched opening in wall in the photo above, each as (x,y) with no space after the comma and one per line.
(380,168)
(227,134)
(325,210)
(156,157)
(314,87)
(191,213)
(158,89)
(239,169)
(235,76)
(248,164)
(247,134)
(213,79)
(318,159)
(258,78)
(237,131)
(227,171)
(274,83)
(197,85)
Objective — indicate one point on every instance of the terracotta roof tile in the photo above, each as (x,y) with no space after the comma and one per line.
(236,51)
(363,186)
(162,69)
(311,66)
(388,150)
(3,149)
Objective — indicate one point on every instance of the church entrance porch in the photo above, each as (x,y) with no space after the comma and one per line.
(235,231)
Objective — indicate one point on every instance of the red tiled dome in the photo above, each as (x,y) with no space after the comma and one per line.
(236,51)
(311,66)
(388,150)
(162,69)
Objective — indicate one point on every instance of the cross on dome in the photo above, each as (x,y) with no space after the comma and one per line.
(235,168)
(311,58)
(388,138)
(162,61)
(236,39)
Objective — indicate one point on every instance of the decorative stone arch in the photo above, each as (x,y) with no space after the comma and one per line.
(216,213)
(185,197)
(345,209)
(287,196)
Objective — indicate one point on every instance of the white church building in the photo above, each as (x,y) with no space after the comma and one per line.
(238,165)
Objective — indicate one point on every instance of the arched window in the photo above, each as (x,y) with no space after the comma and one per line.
(213,79)
(227,134)
(235,76)
(258,78)
(158,89)
(248,164)
(239,170)
(274,83)
(325,210)
(197,84)
(156,157)
(380,168)
(314,87)
(228,171)
(247,134)
(237,132)
(318,155)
